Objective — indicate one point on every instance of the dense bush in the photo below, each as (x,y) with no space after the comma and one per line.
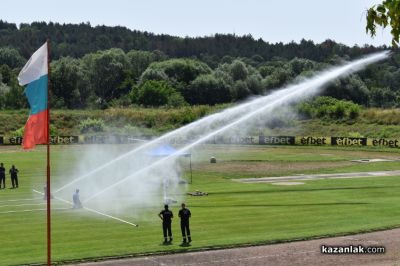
(176,100)
(208,89)
(20,131)
(11,57)
(383,97)
(351,88)
(179,70)
(156,93)
(329,108)
(91,125)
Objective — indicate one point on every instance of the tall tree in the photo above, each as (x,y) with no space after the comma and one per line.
(11,57)
(69,86)
(384,14)
(106,72)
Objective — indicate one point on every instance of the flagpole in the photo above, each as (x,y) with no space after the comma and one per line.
(48,159)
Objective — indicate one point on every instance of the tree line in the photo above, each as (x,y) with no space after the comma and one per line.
(99,67)
(77,40)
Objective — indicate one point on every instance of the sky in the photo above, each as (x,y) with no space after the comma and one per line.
(273,21)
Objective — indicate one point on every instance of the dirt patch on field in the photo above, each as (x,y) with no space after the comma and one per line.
(304,177)
(267,168)
(373,160)
(294,253)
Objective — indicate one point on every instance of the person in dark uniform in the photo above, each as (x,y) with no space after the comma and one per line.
(185,214)
(2,175)
(76,200)
(14,176)
(166,216)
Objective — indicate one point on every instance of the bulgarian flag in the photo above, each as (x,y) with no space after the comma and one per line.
(35,76)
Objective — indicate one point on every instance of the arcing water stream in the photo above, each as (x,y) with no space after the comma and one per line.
(143,178)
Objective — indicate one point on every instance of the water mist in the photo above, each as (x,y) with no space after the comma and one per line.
(135,181)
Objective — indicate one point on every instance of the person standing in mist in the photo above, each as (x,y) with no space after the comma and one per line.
(166,216)
(185,214)
(2,175)
(76,200)
(14,176)
(45,193)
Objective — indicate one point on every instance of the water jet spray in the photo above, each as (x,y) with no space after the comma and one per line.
(291,94)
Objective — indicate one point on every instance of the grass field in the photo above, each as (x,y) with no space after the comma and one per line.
(232,214)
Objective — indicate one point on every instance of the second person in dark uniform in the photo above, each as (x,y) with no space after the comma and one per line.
(14,176)
(185,214)
(166,216)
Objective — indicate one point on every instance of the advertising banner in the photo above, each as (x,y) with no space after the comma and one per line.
(238,140)
(345,141)
(382,142)
(308,140)
(276,140)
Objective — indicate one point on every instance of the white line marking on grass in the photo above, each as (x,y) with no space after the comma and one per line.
(20,200)
(19,205)
(91,210)
(33,210)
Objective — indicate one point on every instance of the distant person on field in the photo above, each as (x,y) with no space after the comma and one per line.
(45,193)
(2,175)
(185,214)
(14,176)
(166,216)
(76,200)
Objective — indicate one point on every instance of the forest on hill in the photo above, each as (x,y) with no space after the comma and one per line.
(101,67)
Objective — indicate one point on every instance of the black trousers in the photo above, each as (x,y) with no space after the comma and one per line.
(185,230)
(3,181)
(14,181)
(167,230)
